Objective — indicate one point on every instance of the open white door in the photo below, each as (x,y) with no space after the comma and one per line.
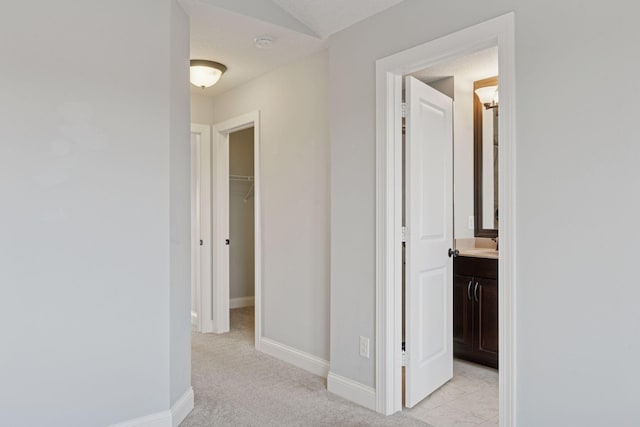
(429,222)
(221,320)
(195,228)
(201,227)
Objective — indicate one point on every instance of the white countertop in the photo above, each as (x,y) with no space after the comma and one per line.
(478,247)
(479,252)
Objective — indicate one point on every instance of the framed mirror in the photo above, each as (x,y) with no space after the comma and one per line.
(485,154)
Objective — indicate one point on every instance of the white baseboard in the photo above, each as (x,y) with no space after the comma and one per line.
(182,408)
(352,390)
(241,302)
(171,418)
(298,358)
(159,419)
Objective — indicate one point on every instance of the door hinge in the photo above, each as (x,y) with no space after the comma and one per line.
(404,358)
(404,109)
(404,234)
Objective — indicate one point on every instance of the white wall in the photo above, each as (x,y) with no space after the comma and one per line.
(295,198)
(91,288)
(576,299)
(241,216)
(201,108)
(463,157)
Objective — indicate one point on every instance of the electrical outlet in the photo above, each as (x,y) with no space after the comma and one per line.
(471,223)
(364,347)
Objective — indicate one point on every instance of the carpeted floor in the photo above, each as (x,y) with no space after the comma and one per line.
(235,385)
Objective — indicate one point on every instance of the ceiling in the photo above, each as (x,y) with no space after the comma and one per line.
(476,66)
(326,17)
(224,31)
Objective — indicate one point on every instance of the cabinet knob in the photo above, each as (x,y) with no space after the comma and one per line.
(469,289)
(475,292)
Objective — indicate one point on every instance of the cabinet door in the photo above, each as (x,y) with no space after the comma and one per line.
(486,297)
(462,315)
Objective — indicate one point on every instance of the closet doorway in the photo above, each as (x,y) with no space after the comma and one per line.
(241,219)
(236,237)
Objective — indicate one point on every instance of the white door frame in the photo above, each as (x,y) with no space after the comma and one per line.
(220,163)
(389,73)
(201,228)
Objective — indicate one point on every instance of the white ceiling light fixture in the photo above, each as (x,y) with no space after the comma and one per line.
(263,42)
(204,74)
(488,95)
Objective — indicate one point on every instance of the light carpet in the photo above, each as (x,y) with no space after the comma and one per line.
(235,385)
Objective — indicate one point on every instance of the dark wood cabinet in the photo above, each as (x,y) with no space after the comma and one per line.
(475,310)
(487,320)
(462,315)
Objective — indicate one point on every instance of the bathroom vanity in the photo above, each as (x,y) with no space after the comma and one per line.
(475,306)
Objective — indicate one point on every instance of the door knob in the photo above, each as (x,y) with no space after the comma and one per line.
(453,253)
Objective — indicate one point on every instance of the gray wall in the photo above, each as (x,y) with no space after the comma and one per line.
(180,204)
(90,163)
(241,216)
(577,176)
(295,198)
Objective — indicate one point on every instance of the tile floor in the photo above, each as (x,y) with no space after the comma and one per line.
(469,399)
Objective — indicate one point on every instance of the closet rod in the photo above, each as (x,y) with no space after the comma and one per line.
(240,178)
(248,193)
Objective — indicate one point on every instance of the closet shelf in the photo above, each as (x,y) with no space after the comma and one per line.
(240,178)
(244,178)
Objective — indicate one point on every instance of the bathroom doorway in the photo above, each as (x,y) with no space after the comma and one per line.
(389,236)
(441,117)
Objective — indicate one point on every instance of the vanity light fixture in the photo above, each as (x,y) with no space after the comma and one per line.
(205,73)
(488,95)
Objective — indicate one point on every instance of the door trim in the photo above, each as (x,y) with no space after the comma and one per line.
(389,72)
(201,229)
(220,294)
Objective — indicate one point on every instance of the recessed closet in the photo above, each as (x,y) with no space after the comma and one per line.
(241,219)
